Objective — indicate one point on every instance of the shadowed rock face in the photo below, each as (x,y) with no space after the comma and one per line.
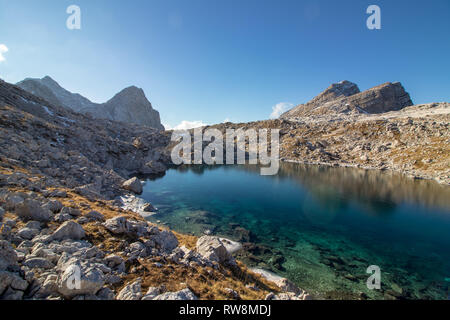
(345,97)
(130,105)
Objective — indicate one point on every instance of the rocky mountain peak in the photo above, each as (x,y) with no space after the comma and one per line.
(129,105)
(345,97)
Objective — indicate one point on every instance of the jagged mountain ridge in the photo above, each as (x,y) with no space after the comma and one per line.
(345,97)
(130,105)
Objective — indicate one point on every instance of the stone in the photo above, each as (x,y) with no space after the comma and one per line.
(113,260)
(133,185)
(147,207)
(62,217)
(232,293)
(106,294)
(287,286)
(37,262)
(95,216)
(80,279)
(69,230)
(117,225)
(131,291)
(166,240)
(33,225)
(152,293)
(8,256)
(184,294)
(27,233)
(53,205)
(74,212)
(12,294)
(32,210)
(9,279)
(213,249)
(12,200)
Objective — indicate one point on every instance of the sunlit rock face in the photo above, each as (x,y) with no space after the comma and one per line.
(130,105)
(344,97)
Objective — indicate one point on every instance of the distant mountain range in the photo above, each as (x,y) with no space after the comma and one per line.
(129,105)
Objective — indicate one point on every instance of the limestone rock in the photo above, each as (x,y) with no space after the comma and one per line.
(184,294)
(27,233)
(80,279)
(95,216)
(37,262)
(32,210)
(133,185)
(213,249)
(69,230)
(131,291)
(8,257)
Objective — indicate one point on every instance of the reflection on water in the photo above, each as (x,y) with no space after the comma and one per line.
(320,227)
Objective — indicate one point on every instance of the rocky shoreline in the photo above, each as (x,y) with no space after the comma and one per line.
(49,237)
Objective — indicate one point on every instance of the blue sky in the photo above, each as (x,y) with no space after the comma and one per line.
(211,60)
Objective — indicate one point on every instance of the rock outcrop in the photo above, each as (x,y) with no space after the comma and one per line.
(213,249)
(130,105)
(134,185)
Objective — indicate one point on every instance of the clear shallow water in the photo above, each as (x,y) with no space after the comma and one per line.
(320,227)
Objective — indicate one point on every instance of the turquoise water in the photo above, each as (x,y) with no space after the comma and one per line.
(320,227)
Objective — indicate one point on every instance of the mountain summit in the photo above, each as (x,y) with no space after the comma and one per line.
(345,97)
(129,105)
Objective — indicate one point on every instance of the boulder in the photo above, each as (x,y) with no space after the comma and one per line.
(131,291)
(133,185)
(32,210)
(62,217)
(54,206)
(152,293)
(213,249)
(37,262)
(105,294)
(166,240)
(9,279)
(8,256)
(27,233)
(113,260)
(69,230)
(80,279)
(95,216)
(184,294)
(117,225)
(71,211)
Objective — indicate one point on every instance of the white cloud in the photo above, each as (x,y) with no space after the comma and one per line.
(186,125)
(279,109)
(3,49)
